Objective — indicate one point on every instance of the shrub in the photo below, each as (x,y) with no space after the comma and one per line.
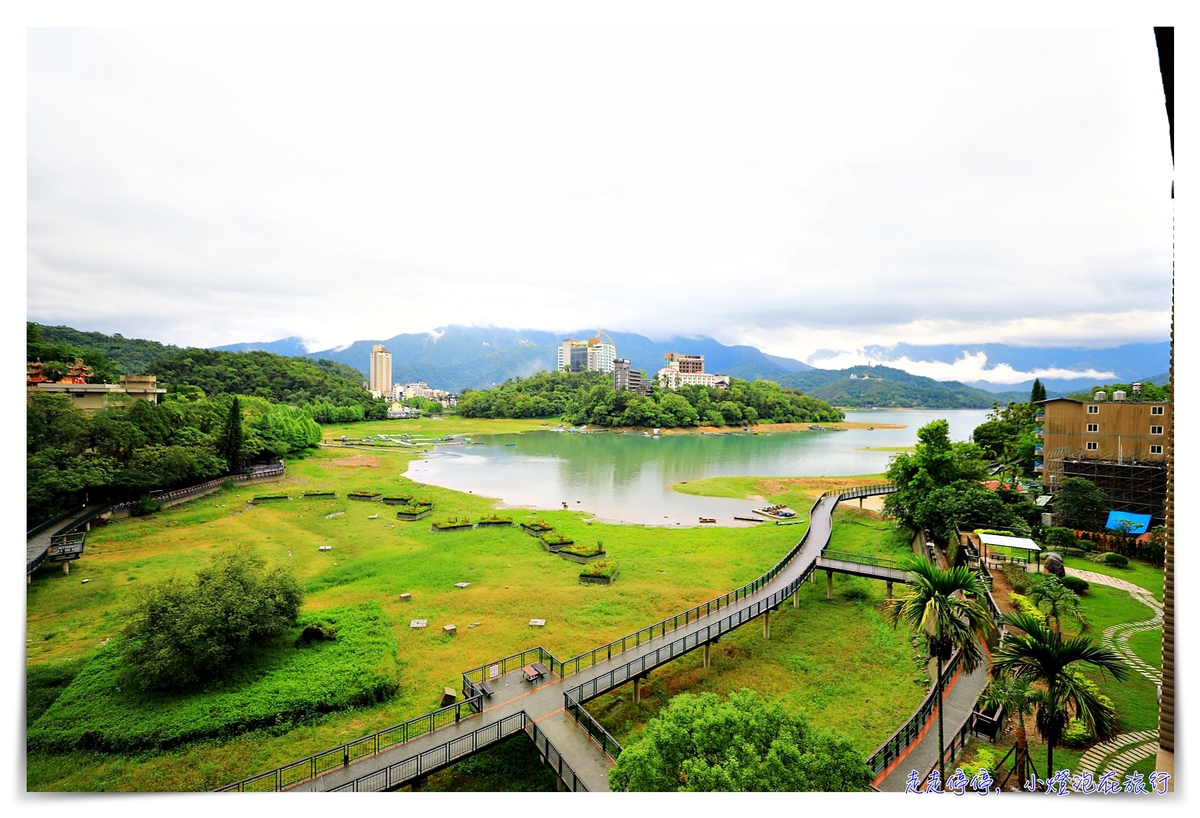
(856,591)
(1075,584)
(1026,605)
(145,505)
(321,631)
(985,759)
(1059,537)
(280,686)
(1017,577)
(183,631)
(1076,734)
(1115,560)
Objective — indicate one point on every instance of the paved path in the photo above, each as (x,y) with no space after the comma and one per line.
(1117,636)
(542,702)
(1120,753)
(37,546)
(958,701)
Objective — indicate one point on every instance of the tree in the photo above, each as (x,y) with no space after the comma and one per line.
(1057,599)
(1013,695)
(1081,502)
(230,445)
(934,603)
(184,631)
(1041,655)
(935,462)
(1038,392)
(743,744)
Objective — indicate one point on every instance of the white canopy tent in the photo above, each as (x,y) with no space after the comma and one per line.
(1024,544)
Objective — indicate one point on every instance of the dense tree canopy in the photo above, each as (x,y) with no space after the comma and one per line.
(184,631)
(742,744)
(278,378)
(122,451)
(1081,504)
(589,398)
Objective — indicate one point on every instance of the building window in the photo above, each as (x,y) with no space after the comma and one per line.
(1157,410)
(1156,430)
(1093,427)
(1156,449)
(1092,446)
(1093,410)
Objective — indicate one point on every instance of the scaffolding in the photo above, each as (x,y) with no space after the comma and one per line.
(1139,488)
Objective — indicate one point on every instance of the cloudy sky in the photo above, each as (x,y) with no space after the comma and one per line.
(797,189)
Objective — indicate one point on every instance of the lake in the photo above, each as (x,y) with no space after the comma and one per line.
(627,478)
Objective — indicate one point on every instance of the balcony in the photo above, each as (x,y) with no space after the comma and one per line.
(1037,465)
(1038,448)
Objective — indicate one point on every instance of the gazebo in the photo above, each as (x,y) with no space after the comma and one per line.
(998,548)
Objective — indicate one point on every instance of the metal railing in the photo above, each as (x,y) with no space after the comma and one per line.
(899,741)
(308,768)
(208,485)
(413,767)
(862,559)
(611,747)
(298,771)
(553,756)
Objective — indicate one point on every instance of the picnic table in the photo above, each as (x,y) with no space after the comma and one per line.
(535,671)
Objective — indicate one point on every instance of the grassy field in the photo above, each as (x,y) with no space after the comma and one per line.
(512,580)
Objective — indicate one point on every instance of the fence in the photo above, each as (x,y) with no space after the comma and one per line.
(900,740)
(171,497)
(862,559)
(308,768)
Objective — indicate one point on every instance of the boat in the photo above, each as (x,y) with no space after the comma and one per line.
(511,444)
(708,519)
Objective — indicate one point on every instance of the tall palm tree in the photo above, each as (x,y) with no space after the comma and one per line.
(1041,655)
(934,603)
(1015,694)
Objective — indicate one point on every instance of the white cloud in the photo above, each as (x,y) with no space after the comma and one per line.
(969,368)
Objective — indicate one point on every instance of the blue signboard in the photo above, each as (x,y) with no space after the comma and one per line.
(1129,523)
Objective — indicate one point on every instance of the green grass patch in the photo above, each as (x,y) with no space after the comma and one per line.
(102,709)
(1138,573)
(45,683)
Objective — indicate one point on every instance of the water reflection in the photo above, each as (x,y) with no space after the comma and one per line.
(627,477)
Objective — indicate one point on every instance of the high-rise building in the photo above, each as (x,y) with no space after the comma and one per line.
(688,364)
(625,377)
(380,382)
(592,355)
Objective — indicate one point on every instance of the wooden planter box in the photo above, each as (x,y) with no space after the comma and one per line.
(553,547)
(269,498)
(420,515)
(486,523)
(536,531)
(402,500)
(582,560)
(318,495)
(453,527)
(374,498)
(587,579)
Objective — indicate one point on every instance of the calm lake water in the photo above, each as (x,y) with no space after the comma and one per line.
(627,478)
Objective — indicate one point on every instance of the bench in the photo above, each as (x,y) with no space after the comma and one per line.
(486,689)
(541,669)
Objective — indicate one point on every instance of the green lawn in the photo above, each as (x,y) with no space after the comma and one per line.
(512,580)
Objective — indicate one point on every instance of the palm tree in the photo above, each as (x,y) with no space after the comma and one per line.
(935,603)
(1014,694)
(1058,599)
(1042,655)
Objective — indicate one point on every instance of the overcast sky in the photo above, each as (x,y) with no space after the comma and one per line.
(794,189)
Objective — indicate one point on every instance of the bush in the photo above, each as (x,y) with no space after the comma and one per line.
(1115,560)
(1026,605)
(1076,734)
(279,687)
(145,505)
(1059,537)
(183,631)
(856,591)
(1075,584)
(1017,577)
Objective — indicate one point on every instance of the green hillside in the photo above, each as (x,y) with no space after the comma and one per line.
(894,388)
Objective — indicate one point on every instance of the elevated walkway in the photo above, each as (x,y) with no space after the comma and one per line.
(54,531)
(550,709)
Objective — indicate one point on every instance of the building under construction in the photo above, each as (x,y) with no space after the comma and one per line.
(1139,488)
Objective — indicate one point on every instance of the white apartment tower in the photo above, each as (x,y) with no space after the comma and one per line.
(592,355)
(381,371)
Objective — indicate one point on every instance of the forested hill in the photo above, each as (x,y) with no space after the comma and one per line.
(290,381)
(589,398)
(127,356)
(884,386)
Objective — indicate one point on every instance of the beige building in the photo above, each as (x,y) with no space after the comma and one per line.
(93,396)
(1118,444)
(380,382)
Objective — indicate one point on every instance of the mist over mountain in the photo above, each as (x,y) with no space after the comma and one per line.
(457,357)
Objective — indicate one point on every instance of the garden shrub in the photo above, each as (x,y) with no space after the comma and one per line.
(1076,734)
(1075,584)
(145,505)
(856,591)
(183,631)
(985,759)
(1026,605)
(321,631)
(280,687)
(1059,537)
(1116,560)
(1017,577)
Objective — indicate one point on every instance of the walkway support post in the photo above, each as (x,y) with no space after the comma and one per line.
(707,655)
(829,584)
(767,624)
(637,690)
(66,566)
(796,597)
(889,589)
